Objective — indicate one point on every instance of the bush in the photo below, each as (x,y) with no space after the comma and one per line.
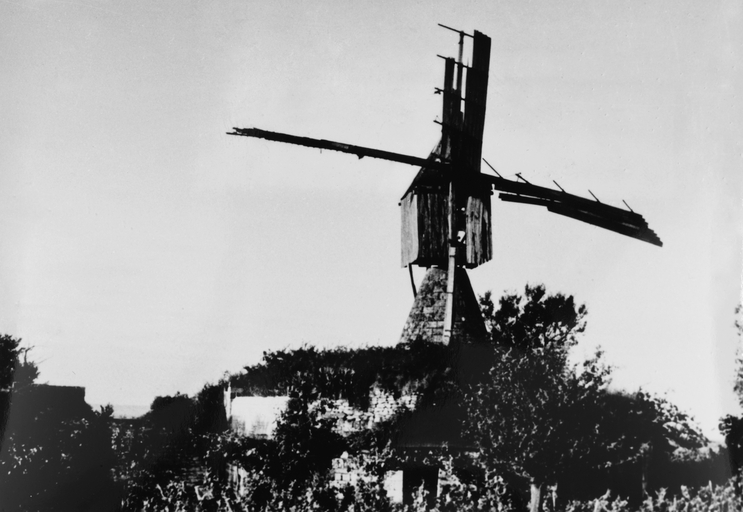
(704,499)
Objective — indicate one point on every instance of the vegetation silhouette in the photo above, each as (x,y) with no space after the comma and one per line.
(56,450)
(535,422)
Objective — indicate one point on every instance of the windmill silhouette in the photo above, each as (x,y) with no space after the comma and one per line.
(446,211)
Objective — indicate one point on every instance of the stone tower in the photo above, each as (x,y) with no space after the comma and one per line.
(426,318)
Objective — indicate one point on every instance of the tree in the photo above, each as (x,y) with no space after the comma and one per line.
(53,458)
(533,420)
(15,369)
(732,426)
(533,417)
(738,386)
(16,372)
(540,419)
(646,443)
(534,320)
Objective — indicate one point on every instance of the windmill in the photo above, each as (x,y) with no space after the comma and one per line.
(446,210)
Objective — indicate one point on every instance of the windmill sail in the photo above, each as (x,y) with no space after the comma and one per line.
(586,210)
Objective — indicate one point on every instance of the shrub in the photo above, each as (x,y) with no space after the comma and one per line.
(704,499)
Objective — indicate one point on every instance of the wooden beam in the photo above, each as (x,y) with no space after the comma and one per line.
(475,102)
(359,151)
(451,265)
(450,116)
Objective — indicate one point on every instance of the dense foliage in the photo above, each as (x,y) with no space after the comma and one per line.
(344,373)
(535,417)
(16,371)
(175,441)
(534,422)
(535,320)
(456,495)
(543,421)
(56,454)
(732,426)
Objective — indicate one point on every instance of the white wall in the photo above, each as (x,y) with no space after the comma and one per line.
(256,416)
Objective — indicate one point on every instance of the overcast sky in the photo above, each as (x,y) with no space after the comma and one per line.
(144,252)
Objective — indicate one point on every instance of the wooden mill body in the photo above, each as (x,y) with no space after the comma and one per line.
(425,233)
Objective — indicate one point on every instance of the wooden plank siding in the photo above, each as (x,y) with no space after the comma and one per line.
(433,228)
(478,237)
(409,224)
(425,228)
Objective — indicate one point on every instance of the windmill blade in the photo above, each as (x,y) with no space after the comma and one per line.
(359,151)
(586,210)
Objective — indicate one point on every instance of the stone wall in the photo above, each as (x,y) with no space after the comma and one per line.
(349,470)
(382,407)
(257,416)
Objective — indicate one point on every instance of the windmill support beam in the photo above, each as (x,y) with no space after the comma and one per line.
(449,311)
(451,266)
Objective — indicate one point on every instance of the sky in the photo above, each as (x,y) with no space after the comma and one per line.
(144,252)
